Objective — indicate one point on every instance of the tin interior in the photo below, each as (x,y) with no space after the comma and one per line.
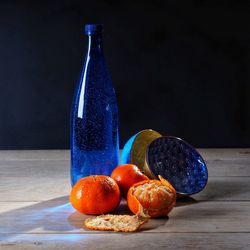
(139,146)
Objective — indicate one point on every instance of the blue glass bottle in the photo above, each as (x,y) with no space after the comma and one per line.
(94,114)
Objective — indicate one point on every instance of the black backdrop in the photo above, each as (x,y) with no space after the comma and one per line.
(179,67)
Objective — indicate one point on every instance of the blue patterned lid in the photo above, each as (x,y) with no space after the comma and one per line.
(179,163)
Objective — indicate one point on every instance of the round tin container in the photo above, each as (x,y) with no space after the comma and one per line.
(134,151)
(178,162)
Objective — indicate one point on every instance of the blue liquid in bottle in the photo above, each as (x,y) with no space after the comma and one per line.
(94,114)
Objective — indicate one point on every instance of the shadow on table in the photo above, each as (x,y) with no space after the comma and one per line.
(185,201)
(45,216)
(54,216)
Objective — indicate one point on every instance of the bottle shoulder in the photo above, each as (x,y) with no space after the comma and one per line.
(94,90)
(95,75)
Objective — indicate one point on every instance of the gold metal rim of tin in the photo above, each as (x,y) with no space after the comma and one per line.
(139,147)
(147,170)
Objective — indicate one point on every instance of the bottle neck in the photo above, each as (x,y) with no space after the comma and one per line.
(95,43)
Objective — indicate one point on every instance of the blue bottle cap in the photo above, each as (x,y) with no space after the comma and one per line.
(93,29)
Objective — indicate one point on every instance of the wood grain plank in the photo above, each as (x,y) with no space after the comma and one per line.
(34,169)
(225,189)
(35,188)
(225,153)
(238,168)
(13,163)
(20,155)
(208,154)
(57,216)
(37,180)
(120,241)
(12,168)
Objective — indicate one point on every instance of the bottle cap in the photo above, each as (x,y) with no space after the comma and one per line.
(93,29)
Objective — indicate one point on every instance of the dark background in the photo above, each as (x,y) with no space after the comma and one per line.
(179,67)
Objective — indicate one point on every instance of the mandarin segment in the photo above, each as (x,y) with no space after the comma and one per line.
(157,197)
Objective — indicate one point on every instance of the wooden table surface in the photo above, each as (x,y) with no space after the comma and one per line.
(35,212)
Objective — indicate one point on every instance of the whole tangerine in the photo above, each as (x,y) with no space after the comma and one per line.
(157,197)
(126,176)
(96,194)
